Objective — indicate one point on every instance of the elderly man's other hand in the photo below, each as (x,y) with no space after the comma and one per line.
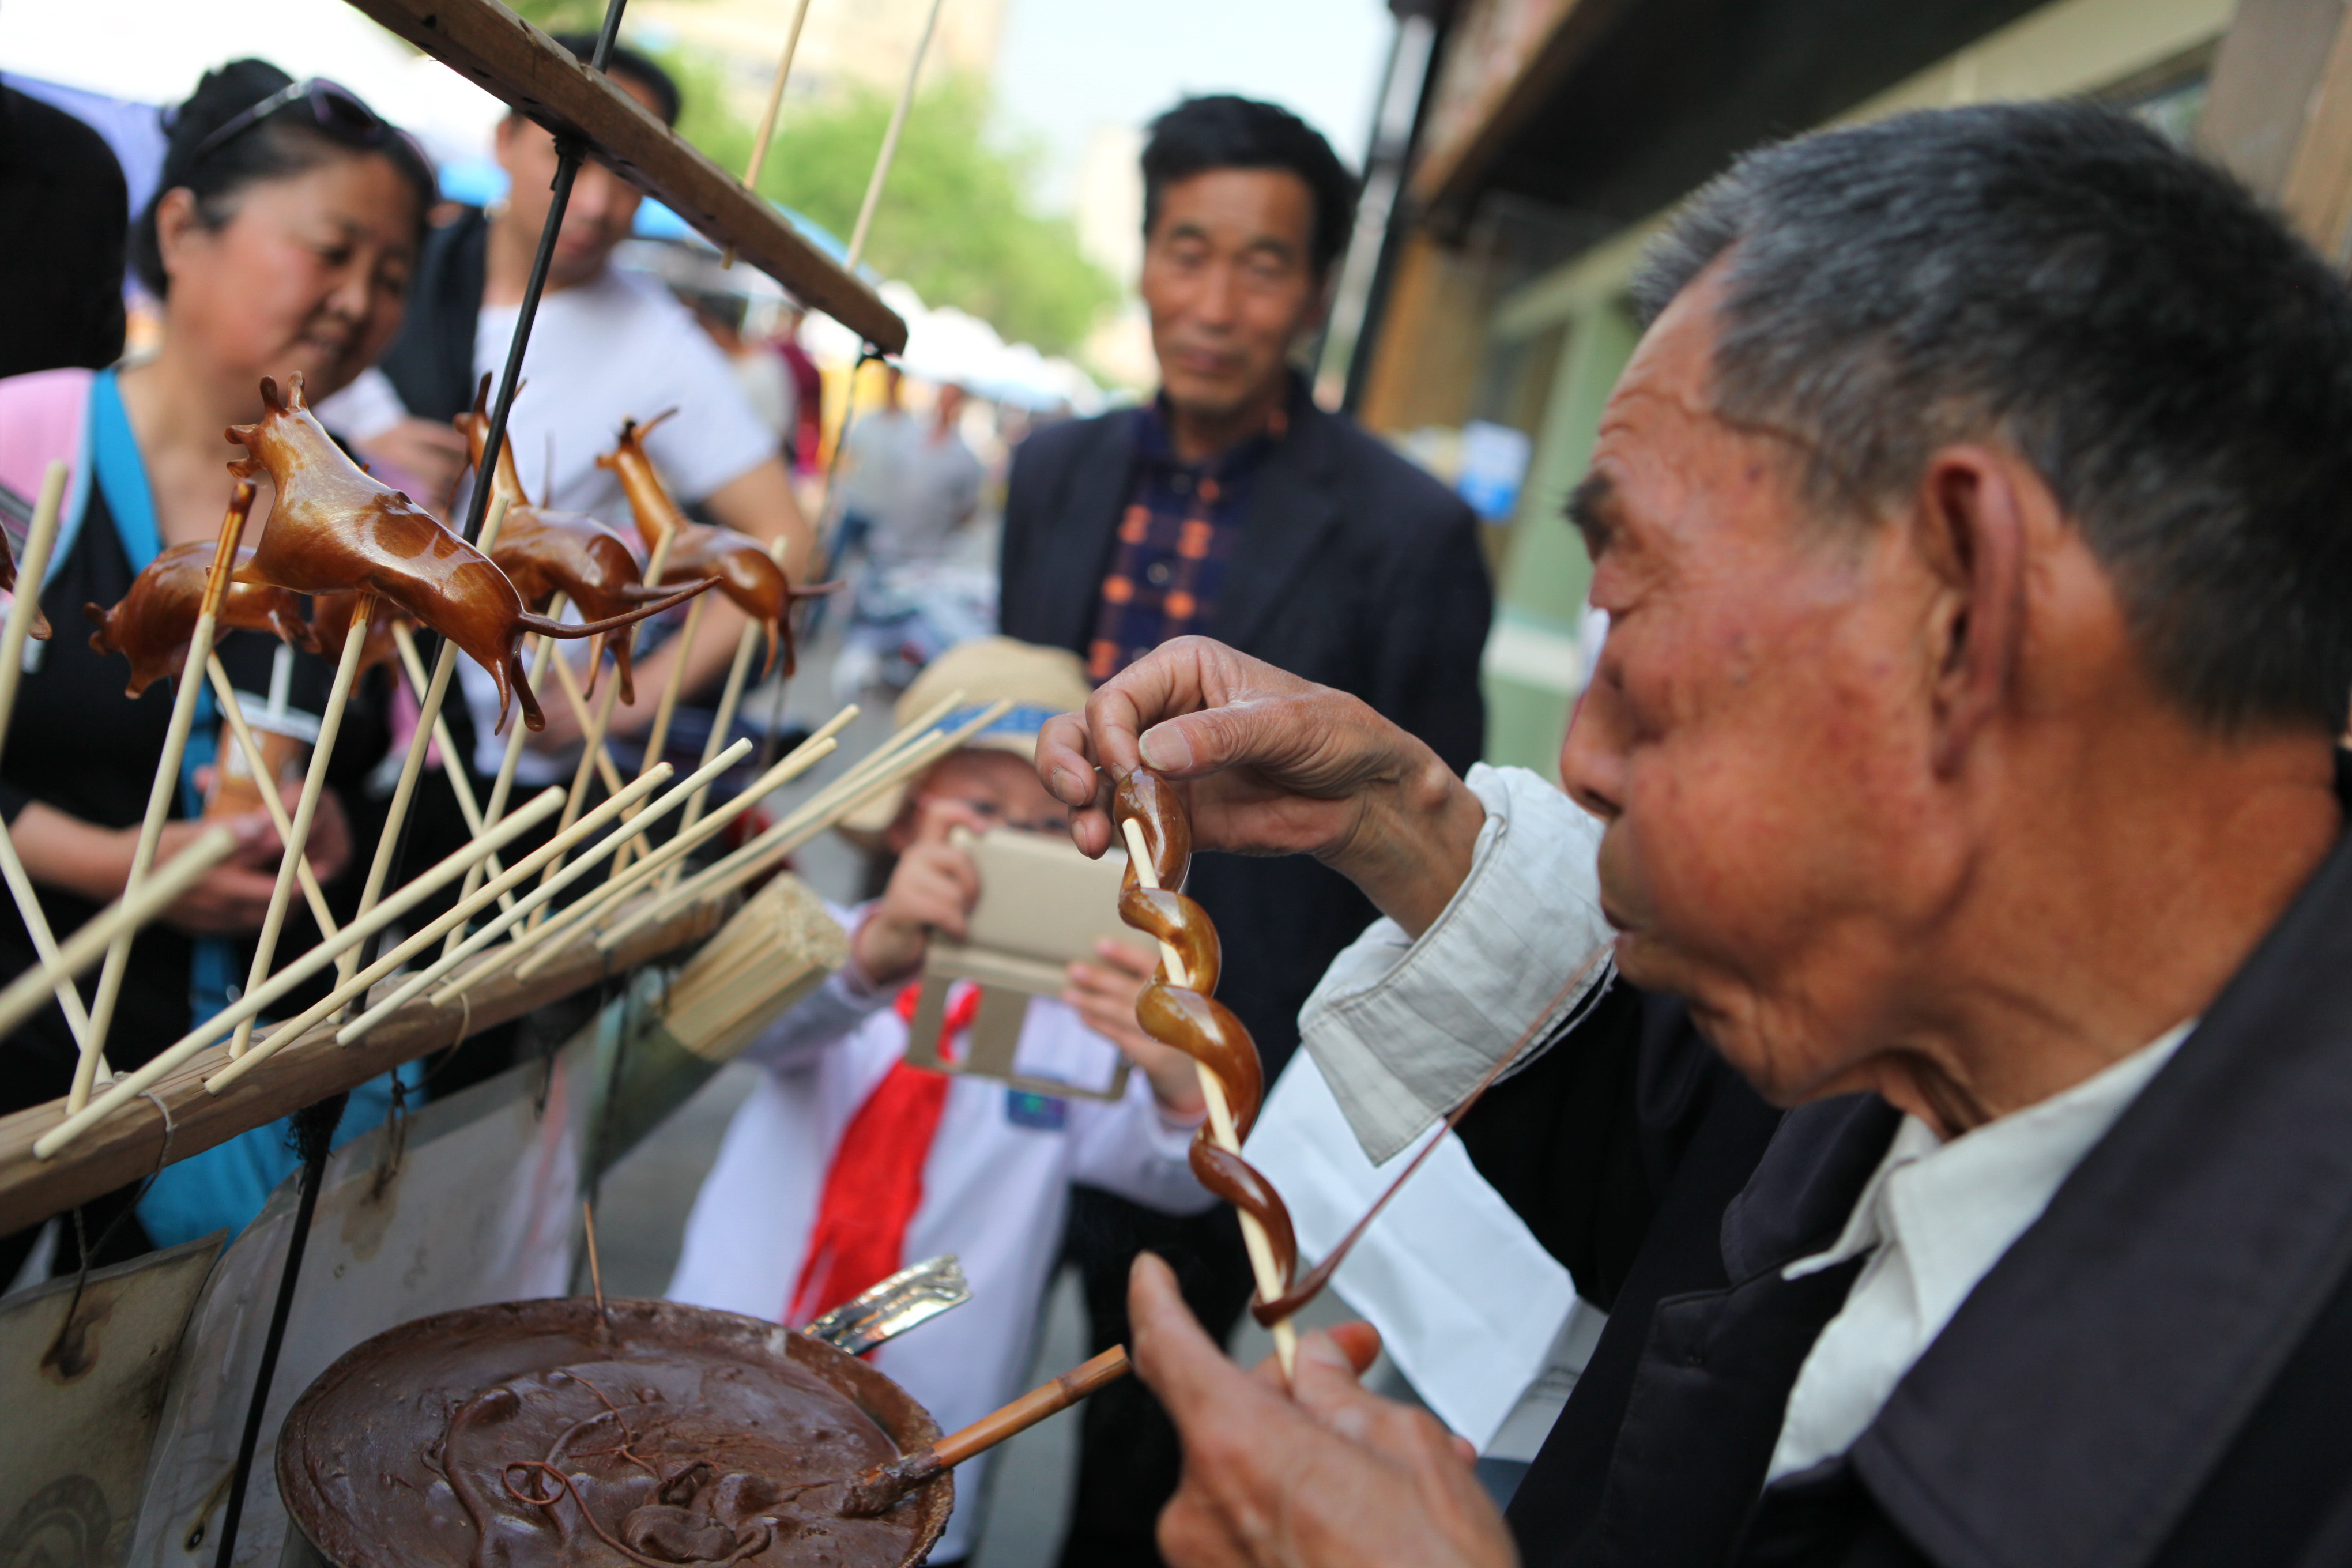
(1275,765)
(1330,1476)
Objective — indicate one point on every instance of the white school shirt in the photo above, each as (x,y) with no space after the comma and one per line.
(995,1189)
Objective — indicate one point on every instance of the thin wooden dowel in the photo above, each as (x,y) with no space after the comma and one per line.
(96,935)
(167,787)
(453,766)
(569,682)
(420,745)
(40,539)
(603,720)
(806,756)
(508,763)
(829,807)
(360,985)
(890,143)
(257,764)
(657,738)
(1270,1283)
(306,808)
(416,985)
(768,115)
(747,643)
(133,1084)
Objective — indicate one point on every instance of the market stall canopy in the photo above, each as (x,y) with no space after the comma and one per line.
(525,68)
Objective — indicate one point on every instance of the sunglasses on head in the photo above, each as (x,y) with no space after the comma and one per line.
(335,110)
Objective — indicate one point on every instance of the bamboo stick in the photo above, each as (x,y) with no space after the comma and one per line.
(166,786)
(805,755)
(254,1003)
(225,694)
(594,738)
(1270,1283)
(890,143)
(505,783)
(657,738)
(564,678)
(654,812)
(827,807)
(40,539)
(359,985)
(24,993)
(306,808)
(453,763)
(767,119)
(747,643)
(428,727)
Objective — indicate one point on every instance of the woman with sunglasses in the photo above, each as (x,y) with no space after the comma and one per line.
(279,242)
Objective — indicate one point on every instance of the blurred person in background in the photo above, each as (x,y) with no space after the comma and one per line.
(607,345)
(913,598)
(61,285)
(869,462)
(1232,505)
(281,241)
(805,438)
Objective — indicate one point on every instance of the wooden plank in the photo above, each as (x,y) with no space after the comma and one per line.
(126,1146)
(522,66)
(2279,112)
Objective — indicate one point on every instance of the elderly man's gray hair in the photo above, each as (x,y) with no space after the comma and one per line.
(2173,362)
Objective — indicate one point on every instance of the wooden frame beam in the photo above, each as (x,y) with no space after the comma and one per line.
(526,69)
(128,1145)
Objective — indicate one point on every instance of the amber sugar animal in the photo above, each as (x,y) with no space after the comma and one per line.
(152,624)
(334,529)
(331,623)
(747,574)
(546,552)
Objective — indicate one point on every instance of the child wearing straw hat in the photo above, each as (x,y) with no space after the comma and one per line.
(847,1162)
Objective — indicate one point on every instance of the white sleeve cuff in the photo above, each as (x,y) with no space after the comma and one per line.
(1404,1029)
(365,409)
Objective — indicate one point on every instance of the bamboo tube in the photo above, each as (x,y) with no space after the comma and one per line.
(453,765)
(306,808)
(416,983)
(746,644)
(359,985)
(412,767)
(768,120)
(225,694)
(657,738)
(594,739)
(39,540)
(24,993)
(804,756)
(829,807)
(1270,1283)
(167,785)
(253,1003)
(890,143)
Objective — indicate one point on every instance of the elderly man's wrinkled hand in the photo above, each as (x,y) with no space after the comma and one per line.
(1272,765)
(1330,1475)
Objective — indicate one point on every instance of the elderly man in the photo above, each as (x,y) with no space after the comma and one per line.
(1960,1147)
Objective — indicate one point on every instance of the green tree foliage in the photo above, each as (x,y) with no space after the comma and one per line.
(956,219)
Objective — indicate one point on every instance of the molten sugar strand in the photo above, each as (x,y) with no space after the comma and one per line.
(360,984)
(164,789)
(254,1003)
(417,984)
(1263,1265)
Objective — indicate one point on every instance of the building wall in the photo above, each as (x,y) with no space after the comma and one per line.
(1535,660)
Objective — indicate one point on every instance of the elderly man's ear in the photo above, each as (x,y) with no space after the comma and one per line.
(1980,511)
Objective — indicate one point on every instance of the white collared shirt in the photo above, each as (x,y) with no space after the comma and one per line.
(1935,1219)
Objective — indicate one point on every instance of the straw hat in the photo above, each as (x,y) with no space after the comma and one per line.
(1040,681)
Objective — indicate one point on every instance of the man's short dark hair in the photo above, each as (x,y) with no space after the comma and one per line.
(1227,132)
(2174,363)
(630,66)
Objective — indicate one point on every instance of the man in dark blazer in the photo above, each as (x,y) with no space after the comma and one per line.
(1232,505)
(1959,1151)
